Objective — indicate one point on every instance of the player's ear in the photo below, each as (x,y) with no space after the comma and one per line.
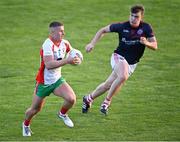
(142,15)
(51,30)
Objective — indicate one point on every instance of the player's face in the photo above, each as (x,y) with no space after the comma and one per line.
(135,19)
(58,33)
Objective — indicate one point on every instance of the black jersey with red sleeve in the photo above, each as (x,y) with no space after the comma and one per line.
(129,40)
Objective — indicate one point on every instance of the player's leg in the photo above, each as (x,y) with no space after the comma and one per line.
(37,104)
(66,92)
(121,71)
(102,88)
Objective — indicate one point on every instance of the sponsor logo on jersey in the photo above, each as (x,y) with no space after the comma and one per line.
(130,42)
(125,31)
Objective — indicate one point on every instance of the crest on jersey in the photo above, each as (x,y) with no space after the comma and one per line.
(139,32)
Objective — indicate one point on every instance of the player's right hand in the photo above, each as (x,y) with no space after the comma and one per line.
(89,47)
(73,61)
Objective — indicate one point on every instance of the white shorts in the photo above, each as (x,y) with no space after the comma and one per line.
(115,58)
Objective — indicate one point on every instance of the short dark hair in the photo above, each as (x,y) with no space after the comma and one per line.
(137,8)
(55,24)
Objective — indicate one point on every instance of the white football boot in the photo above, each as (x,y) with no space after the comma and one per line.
(26,130)
(67,121)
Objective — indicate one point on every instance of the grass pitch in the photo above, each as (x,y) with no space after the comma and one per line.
(146,109)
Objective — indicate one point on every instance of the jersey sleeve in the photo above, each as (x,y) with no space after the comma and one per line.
(149,31)
(47,49)
(116,27)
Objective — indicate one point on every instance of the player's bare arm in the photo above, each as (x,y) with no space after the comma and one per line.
(50,63)
(149,42)
(97,37)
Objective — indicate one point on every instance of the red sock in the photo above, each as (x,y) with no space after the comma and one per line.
(27,122)
(63,110)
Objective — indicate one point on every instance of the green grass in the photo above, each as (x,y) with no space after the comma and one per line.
(146,109)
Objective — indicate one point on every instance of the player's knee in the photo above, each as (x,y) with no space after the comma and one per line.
(123,77)
(72,100)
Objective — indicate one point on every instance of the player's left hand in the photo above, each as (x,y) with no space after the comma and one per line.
(89,47)
(143,40)
(76,61)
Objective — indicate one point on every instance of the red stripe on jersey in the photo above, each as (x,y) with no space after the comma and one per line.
(40,75)
(67,47)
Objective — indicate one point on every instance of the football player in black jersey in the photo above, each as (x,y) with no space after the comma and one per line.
(134,36)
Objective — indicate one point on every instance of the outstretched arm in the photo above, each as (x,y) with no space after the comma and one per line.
(149,42)
(97,37)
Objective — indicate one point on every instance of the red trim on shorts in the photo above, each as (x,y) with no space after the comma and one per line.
(36,87)
(116,58)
